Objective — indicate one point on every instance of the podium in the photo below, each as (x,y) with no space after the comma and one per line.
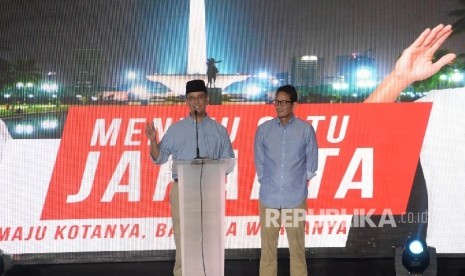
(201,184)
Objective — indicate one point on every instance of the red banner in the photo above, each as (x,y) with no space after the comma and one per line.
(368,154)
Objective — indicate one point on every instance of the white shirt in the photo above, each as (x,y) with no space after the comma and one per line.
(443,161)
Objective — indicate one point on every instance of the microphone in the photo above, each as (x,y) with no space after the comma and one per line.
(197,136)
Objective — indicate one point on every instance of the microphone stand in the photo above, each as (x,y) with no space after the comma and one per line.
(197,159)
(197,135)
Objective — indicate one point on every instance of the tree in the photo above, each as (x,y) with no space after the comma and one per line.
(19,71)
(4,64)
(25,70)
(435,82)
(4,69)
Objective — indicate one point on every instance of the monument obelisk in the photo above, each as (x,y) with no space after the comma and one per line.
(197,40)
(196,56)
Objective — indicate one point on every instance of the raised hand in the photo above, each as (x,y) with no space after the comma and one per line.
(415,63)
(151,132)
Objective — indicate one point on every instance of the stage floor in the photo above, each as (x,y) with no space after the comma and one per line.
(316,266)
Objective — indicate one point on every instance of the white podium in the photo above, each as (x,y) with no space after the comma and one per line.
(201,186)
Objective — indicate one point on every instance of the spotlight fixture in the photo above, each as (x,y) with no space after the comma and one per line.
(415,258)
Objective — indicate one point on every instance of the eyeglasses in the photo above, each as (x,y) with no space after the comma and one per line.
(281,103)
(199,98)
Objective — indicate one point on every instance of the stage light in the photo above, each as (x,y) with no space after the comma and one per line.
(415,258)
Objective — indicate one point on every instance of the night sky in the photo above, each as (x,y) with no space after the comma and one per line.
(250,36)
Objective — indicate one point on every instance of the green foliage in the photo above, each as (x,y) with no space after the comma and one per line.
(19,71)
(435,81)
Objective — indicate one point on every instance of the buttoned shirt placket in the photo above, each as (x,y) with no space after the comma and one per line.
(283,162)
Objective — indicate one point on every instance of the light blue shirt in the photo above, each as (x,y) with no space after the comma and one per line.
(286,157)
(180,142)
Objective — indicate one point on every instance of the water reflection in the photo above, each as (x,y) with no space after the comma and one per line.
(36,126)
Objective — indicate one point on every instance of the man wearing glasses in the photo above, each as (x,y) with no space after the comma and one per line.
(180,142)
(286,158)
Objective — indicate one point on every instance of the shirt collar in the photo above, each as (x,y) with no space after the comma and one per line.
(191,120)
(291,120)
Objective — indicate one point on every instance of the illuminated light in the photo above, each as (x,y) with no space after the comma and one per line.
(309,58)
(416,258)
(262,75)
(7,96)
(416,247)
(50,87)
(29,85)
(19,85)
(24,129)
(94,98)
(366,83)
(443,77)
(456,76)
(364,73)
(253,90)
(30,96)
(340,86)
(49,124)
(132,75)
